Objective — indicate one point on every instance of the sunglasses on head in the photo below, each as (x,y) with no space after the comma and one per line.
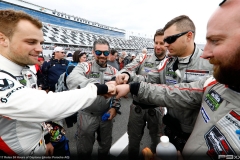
(174,37)
(105,53)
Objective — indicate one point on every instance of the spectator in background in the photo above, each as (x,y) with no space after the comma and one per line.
(133,56)
(126,59)
(79,56)
(112,59)
(39,73)
(53,68)
(69,56)
(144,51)
(121,62)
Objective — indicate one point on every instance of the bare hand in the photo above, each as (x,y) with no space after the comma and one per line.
(122,78)
(111,90)
(111,82)
(49,149)
(112,113)
(122,90)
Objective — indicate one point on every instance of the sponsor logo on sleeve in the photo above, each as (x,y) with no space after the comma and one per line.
(6,84)
(217,143)
(5,99)
(213,100)
(230,123)
(205,116)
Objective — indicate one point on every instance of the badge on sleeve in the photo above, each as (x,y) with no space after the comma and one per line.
(213,100)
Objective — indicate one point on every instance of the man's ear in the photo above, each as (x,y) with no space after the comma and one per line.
(3,40)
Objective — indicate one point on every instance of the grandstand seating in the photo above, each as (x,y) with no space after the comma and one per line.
(68,36)
(61,21)
(64,32)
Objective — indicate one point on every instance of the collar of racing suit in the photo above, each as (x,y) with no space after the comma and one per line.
(8,65)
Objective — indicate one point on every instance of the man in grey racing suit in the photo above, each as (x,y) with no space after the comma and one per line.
(90,119)
(184,65)
(216,131)
(139,70)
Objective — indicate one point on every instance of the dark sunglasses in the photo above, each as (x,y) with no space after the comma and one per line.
(105,53)
(174,37)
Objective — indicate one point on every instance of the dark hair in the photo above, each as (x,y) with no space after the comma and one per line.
(113,51)
(78,54)
(10,18)
(183,23)
(159,32)
(100,41)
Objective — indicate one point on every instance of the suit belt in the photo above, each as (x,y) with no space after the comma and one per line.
(144,106)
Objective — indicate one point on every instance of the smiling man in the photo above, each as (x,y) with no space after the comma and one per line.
(90,120)
(23,108)
(185,64)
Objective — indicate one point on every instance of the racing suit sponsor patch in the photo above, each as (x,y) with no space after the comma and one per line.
(94,75)
(230,123)
(194,75)
(217,143)
(205,116)
(213,100)
(21,80)
(149,64)
(6,84)
(171,77)
(171,81)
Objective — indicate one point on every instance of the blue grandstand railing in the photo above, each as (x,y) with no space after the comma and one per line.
(61,21)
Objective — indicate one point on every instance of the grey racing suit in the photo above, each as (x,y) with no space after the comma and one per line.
(214,135)
(179,123)
(23,109)
(140,69)
(89,120)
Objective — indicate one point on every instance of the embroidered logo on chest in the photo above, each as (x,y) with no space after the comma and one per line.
(217,143)
(94,75)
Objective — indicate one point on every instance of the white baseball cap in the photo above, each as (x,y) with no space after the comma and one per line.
(58,49)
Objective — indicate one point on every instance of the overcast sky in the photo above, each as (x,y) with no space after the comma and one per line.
(139,16)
